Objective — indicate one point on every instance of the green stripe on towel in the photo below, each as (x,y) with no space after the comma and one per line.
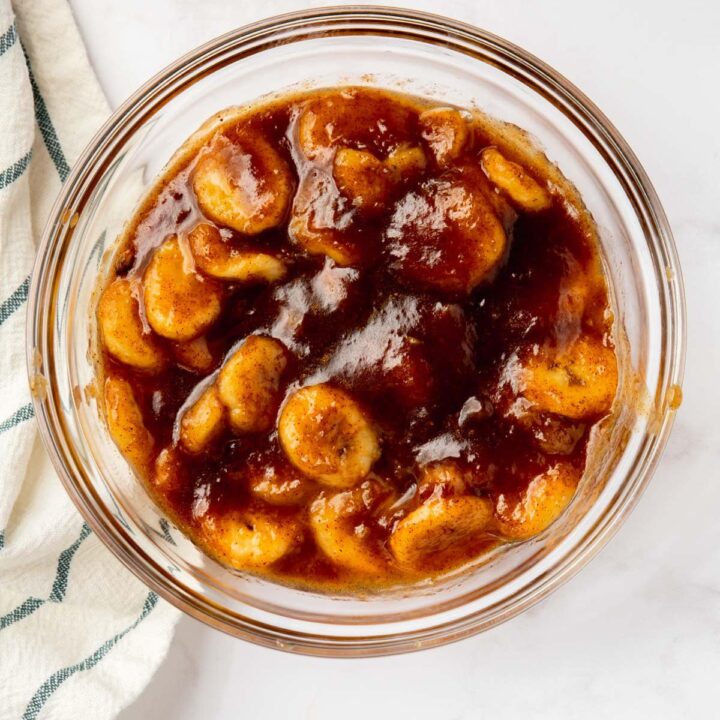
(18,297)
(24,413)
(46,690)
(59,587)
(21,612)
(47,129)
(8,39)
(9,176)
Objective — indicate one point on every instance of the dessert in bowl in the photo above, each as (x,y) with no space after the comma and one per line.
(385,381)
(353,338)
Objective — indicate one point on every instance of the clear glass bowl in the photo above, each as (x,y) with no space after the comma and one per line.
(417,53)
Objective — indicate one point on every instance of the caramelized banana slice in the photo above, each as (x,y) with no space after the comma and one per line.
(249,383)
(216,257)
(338,119)
(326,435)
(578,383)
(445,131)
(446,235)
(194,354)
(322,220)
(244,184)
(250,538)
(203,421)
(125,423)
(520,516)
(281,490)
(168,475)
(179,304)
(514,181)
(122,330)
(444,475)
(439,534)
(405,161)
(362,178)
(279,483)
(339,532)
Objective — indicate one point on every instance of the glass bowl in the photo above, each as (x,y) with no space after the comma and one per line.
(421,54)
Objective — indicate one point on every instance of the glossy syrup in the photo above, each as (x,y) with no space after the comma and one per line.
(427,366)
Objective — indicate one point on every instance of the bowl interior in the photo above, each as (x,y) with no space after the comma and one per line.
(423,57)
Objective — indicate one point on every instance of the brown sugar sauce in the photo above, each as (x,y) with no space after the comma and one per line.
(447,300)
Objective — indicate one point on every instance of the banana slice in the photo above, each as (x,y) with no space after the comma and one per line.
(554,435)
(446,235)
(244,184)
(543,501)
(167,477)
(203,422)
(326,435)
(442,475)
(514,181)
(280,485)
(250,538)
(249,383)
(578,383)
(194,354)
(339,532)
(125,423)
(321,222)
(405,162)
(362,178)
(338,119)
(218,258)
(122,330)
(445,131)
(441,533)
(179,304)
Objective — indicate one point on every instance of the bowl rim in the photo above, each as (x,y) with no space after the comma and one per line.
(543,80)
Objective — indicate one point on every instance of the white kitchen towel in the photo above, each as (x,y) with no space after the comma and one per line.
(79,635)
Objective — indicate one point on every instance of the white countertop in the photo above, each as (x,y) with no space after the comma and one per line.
(637,633)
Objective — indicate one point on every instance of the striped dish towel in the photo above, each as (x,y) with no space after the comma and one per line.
(79,635)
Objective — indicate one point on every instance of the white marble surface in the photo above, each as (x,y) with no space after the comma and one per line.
(637,633)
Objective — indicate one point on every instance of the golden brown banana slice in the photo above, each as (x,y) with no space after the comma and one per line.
(122,331)
(179,304)
(125,423)
(250,538)
(244,184)
(203,422)
(280,485)
(249,383)
(521,516)
(216,257)
(405,162)
(554,435)
(327,436)
(194,354)
(340,534)
(446,235)
(444,476)
(167,477)
(322,220)
(579,382)
(362,178)
(338,119)
(522,189)
(445,131)
(441,533)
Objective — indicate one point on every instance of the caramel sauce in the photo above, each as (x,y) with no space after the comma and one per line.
(432,361)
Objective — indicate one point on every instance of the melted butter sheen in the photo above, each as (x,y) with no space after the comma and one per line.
(440,303)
